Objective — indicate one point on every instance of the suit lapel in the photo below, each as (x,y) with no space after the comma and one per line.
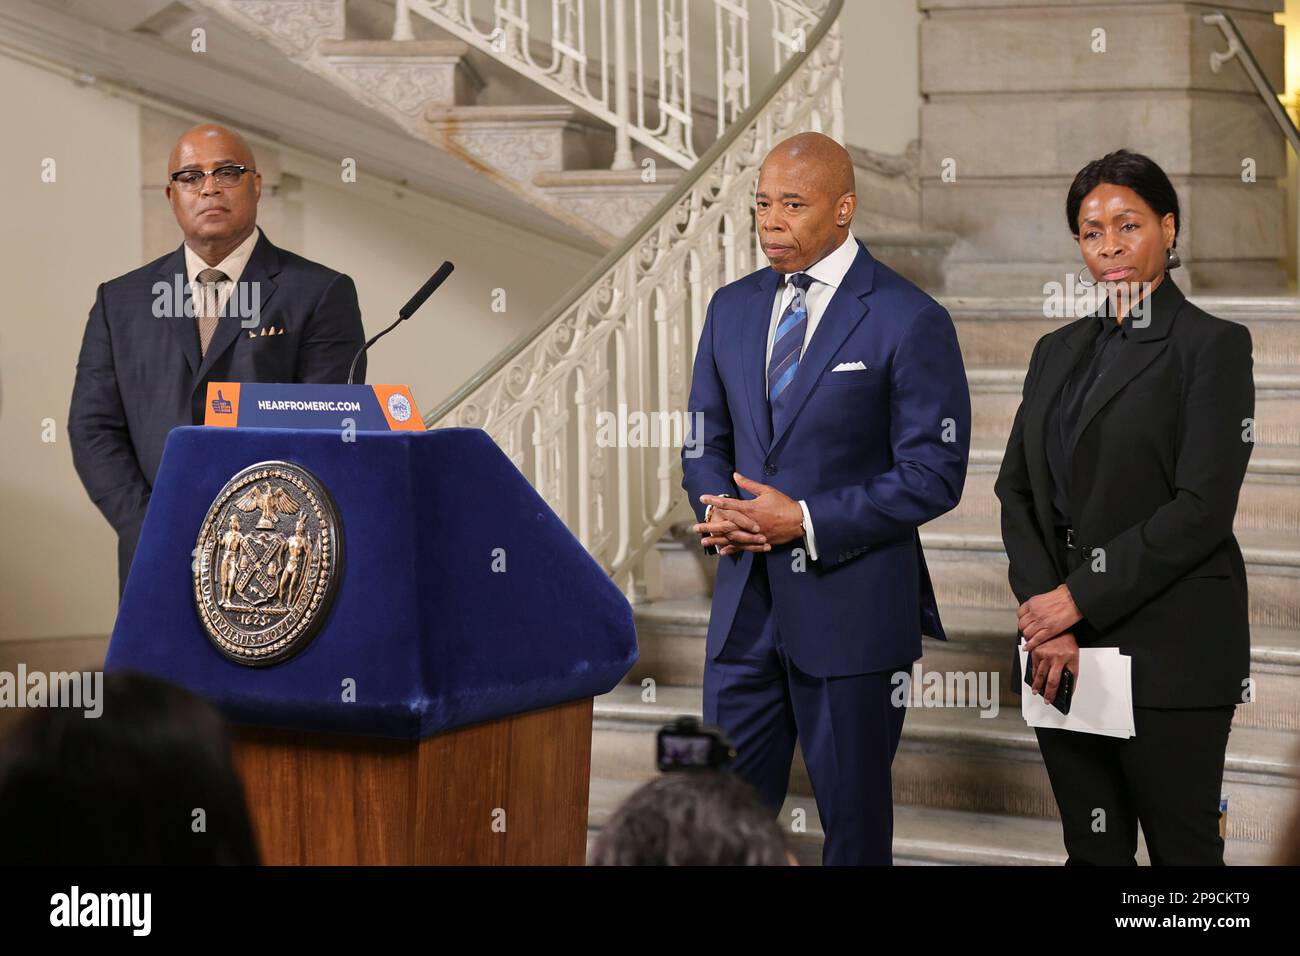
(841,317)
(182,327)
(1051,380)
(1129,362)
(255,286)
(1144,344)
(753,355)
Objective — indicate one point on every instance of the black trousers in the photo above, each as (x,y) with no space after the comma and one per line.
(1168,777)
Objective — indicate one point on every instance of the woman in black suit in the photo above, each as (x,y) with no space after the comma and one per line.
(1118,490)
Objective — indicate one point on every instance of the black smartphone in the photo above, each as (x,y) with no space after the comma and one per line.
(1064,690)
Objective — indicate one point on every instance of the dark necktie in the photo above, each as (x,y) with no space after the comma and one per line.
(788,341)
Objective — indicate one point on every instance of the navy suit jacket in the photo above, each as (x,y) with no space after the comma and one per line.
(875,454)
(139,374)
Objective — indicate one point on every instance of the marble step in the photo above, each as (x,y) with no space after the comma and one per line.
(408,77)
(981,641)
(889,196)
(685,571)
(523,140)
(925,836)
(671,638)
(996,391)
(403,80)
(617,199)
(1265,461)
(1269,499)
(916,254)
(441,90)
(1003,331)
(528,148)
(956,759)
(968,567)
(1269,503)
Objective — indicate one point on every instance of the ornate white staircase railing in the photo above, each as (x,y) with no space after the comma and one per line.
(591,405)
(590,44)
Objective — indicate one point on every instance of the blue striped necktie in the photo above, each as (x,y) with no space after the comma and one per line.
(788,343)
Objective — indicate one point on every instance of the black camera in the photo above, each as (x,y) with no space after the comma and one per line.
(686,744)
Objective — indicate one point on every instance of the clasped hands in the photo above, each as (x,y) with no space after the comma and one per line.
(1045,620)
(750,524)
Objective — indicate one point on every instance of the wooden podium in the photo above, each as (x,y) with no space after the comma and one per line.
(442,713)
(511,791)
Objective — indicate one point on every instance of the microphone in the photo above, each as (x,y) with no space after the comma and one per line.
(412,306)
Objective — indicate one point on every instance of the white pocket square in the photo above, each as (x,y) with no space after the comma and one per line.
(850,367)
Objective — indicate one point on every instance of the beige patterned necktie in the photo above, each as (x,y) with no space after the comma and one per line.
(205,307)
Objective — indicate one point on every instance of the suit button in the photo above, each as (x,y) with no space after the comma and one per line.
(769,470)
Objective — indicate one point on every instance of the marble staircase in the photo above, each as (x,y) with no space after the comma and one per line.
(440,90)
(969,788)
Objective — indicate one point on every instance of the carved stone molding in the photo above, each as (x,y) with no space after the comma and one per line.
(519,154)
(618,212)
(293,27)
(408,87)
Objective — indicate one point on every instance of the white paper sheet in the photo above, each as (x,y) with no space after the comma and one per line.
(1103,696)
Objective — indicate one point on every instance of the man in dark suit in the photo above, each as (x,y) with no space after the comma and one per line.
(226,306)
(841,384)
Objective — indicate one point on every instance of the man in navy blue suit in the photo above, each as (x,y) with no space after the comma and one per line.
(833,419)
(227,306)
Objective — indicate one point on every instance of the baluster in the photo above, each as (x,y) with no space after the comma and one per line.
(635,332)
(512,43)
(672,55)
(622,110)
(584,430)
(402,22)
(638,588)
(565,43)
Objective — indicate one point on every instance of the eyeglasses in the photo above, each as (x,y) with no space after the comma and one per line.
(192,179)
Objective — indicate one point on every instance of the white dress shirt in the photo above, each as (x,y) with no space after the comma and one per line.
(233,266)
(828,273)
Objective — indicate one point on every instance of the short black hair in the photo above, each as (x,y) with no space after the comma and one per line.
(122,788)
(1124,168)
(692,818)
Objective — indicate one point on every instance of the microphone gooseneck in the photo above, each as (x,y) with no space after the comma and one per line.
(408,310)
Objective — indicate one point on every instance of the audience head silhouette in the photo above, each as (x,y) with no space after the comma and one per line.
(692,818)
(150,781)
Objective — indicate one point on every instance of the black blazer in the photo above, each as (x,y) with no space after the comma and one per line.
(139,374)
(1156,471)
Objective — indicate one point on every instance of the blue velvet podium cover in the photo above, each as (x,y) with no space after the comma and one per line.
(431,635)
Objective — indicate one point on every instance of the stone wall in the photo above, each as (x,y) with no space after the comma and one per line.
(1018,95)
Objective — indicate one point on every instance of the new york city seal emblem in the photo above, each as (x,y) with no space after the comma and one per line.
(267,563)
